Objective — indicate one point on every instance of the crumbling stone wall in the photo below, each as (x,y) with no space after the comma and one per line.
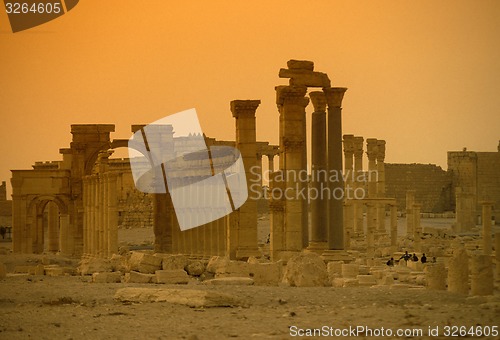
(431,183)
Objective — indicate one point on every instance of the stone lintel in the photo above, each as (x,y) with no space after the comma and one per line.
(334,95)
(318,100)
(136,127)
(290,92)
(244,106)
(92,128)
(300,65)
(305,78)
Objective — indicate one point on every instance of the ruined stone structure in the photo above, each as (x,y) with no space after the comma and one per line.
(5,211)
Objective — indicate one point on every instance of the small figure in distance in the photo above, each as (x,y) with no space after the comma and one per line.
(405,256)
(390,262)
(414,258)
(434,259)
(423,259)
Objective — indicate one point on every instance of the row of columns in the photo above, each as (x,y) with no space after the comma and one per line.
(100,220)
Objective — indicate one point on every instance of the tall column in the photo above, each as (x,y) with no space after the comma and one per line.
(486,218)
(277,209)
(372,153)
(358,184)
(244,113)
(270,158)
(394,226)
(258,164)
(370,228)
(349,184)
(417,235)
(334,96)
(381,185)
(112,214)
(410,201)
(86,216)
(53,227)
(319,207)
(292,105)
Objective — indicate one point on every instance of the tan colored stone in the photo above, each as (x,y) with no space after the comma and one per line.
(481,275)
(231,281)
(3,271)
(107,277)
(189,297)
(144,263)
(195,268)
(300,77)
(305,270)
(173,262)
(350,270)
(458,272)
(175,276)
(136,277)
(300,65)
(436,276)
(93,265)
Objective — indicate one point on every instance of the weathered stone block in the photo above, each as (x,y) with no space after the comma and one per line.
(136,277)
(93,265)
(54,270)
(230,281)
(436,276)
(305,270)
(173,262)
(344,282)
(144,263)
(107,277)
(366,280)
(195,268)
(175,276)
(266,273)
(300,65)
(189,297)
(305,78)
(350,270)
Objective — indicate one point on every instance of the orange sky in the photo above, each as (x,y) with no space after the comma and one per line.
(423,75)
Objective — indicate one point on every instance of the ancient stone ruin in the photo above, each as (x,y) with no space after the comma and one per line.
(335,223)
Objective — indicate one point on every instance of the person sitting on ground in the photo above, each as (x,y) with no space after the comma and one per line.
(414,258)
(405,256)
(390,262)
(434,259)
(423,259)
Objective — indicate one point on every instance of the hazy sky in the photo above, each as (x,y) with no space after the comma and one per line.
(423,75)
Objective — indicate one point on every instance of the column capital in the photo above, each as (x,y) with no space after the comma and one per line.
(358,146)
(380,150)
(318,99)
(348,144)
(292,95)
(334,96)
(244,107)
(371,148)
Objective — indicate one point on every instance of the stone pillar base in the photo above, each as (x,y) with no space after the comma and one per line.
(337,255)
(244,254)
(317,247)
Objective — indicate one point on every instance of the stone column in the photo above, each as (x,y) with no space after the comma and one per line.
(244,113)
(417,235)
(86,216)
(319,204)
(277,208)
(349,184)
(370,228)
(410,200)
(358,185)
(481,275)
(486,218)
(271,163)
(458,272)
(381,185)
(292,105)
(372,152)
(436,276)
(53,228)
(259,166)
(334,96)
(394,226)
(112,214)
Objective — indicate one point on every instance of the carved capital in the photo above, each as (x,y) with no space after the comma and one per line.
(334,96)
(348,144)
(358,146)
(371,149)
(380,150)
(318,100)
(247,107)
(291,95)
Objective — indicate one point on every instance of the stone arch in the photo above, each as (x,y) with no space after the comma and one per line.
(35,223)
